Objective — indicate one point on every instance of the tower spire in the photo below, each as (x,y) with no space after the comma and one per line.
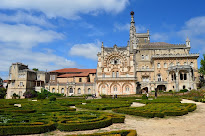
(132,31)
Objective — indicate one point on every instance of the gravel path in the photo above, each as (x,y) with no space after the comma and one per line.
(192,124)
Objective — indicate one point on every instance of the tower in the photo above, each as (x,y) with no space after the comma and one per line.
(133,39)
(188,42)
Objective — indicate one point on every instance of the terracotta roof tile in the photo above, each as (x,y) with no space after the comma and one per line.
(84,74)
(74,70)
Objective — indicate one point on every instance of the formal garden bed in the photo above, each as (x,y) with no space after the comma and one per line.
(44,116)
(38,116)
(107,103)
(158,109)
(112,133)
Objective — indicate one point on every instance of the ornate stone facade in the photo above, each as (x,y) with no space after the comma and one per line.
(143,65)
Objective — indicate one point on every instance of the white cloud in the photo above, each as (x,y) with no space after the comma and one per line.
(195,30)
(126,27)
(42,61)
(70,9)
(160,37)
(88,50)
(22,17)
(16,42)
(26,36)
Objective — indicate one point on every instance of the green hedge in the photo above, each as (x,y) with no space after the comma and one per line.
(76,121)
(112,133)
(159,110)
(27,129)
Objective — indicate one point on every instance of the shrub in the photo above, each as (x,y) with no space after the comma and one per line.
(52,98)
(30,94)
(2,93)
(144,96)
(41,96)
(170,91)
(14,96)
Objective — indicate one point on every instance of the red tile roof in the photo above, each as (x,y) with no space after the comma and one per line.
(74,70)
(84,74)
(5,81)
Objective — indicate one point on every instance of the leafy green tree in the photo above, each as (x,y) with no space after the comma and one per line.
(1,81)
(2,93)
(202,72)
(35,69)
(202,68)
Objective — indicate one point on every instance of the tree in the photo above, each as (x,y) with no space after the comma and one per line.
(2,93)
(202,72)
(202,68)
(35,69)
(1,81)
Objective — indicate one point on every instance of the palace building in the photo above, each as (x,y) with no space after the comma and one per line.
(145,66)
(141,66)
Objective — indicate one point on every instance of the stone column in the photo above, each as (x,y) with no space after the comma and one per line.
(177,80)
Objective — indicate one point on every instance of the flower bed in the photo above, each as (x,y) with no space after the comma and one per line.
(158,110)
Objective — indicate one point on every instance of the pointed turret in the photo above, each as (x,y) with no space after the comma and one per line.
(188,42)
(132,32)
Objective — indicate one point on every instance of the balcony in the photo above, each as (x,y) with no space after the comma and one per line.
(38,88)
(116,78)
(145,70)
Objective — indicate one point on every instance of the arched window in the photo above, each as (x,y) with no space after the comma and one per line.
(147,67)
(53,90)
(89,91)
(178,63)
(142,67)
(158,65)
(71,90)
(115,88)
(113,74)
(62,90)
(127,88)
(117,74)
(159,78)
(103,90)
(79,91)
(142,57)
(185,63)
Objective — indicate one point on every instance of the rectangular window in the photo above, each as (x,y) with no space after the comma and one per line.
(53,77)
(185,76)
(80,79)
(165,65)
(181,76)
(158,65)
(38,77)
(21,83)
(13,83)
(20,93)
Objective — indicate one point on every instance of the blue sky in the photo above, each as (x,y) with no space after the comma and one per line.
(55,34)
